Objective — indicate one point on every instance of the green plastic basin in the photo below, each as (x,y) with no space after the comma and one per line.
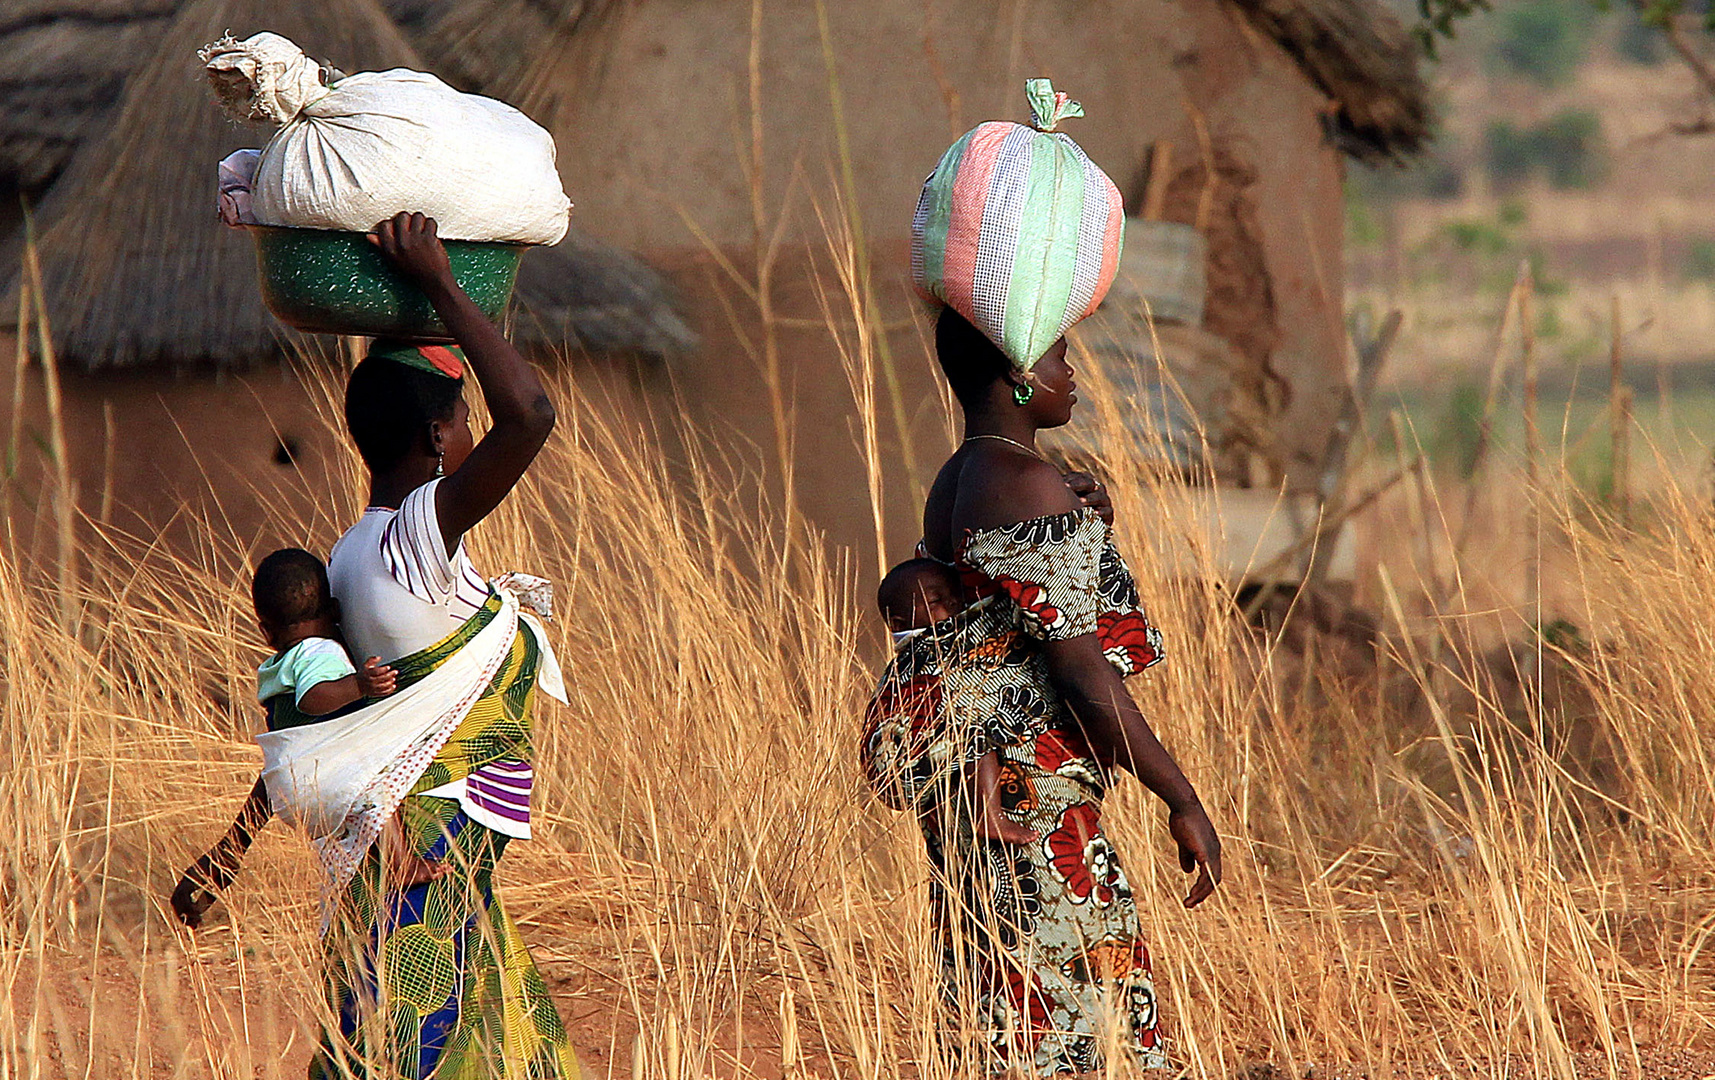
(328,282)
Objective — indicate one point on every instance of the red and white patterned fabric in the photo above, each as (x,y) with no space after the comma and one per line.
(1041,954)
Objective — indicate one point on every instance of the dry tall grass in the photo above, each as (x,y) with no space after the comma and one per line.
(1435,864)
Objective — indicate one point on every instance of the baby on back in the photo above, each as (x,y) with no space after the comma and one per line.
(310,677)
(914,596)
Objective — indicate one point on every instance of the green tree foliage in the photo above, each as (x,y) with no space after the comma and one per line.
(1638,41)
(1569,146)
(1440,19)
(1700,260)
(1542,40)
(1566,149)
(1510,154)
(1459,431)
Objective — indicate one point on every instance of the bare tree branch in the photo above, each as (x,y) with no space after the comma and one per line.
(1675,31)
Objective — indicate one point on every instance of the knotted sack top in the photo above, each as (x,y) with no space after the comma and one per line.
(1018,230)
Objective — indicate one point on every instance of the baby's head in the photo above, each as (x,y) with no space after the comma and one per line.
(292,598)
(919,593)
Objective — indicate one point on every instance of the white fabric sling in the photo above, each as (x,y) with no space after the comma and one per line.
(340,780)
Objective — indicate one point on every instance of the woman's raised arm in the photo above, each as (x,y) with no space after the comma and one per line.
(519,407)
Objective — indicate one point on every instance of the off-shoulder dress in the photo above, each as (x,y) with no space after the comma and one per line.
(1042,959)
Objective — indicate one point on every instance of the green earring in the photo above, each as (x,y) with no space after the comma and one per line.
(1022,393)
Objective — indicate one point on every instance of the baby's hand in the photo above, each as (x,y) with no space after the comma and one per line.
(196,893)
(375,679)
(404,868)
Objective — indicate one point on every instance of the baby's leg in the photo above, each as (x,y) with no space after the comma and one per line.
(989,820)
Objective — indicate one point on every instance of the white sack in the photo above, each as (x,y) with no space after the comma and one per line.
(358,151)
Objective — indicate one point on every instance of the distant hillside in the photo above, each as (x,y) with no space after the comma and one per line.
(1557,145)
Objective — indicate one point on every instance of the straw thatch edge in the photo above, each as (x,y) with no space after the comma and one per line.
(1360,55)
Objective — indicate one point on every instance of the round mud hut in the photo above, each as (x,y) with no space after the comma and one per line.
(762,161)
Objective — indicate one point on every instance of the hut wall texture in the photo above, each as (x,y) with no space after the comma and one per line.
(654,123)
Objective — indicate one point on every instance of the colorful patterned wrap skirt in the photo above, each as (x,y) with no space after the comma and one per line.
(435,980)
(1044,969)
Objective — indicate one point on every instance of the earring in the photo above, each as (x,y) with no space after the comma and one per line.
(441,464)
(1022,393)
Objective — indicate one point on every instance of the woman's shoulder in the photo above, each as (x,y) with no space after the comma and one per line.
(1002,489)
(364,535)
(1079,528)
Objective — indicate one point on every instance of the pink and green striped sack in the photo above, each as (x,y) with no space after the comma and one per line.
(1017,230)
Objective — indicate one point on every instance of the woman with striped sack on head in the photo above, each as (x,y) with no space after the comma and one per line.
(1043,961)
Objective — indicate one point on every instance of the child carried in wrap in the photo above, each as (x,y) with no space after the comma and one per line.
(309,678)
(915,595)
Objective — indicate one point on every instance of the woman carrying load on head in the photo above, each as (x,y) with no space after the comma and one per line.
(1043,962)
(434,978)
(411,800)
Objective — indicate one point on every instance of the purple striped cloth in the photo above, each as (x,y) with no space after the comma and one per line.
(496,795)
(501,788)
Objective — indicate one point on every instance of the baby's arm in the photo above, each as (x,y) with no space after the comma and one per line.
(212,874)
(373,680)
(405,868)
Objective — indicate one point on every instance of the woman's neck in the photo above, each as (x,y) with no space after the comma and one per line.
(1012,426)
(389,488)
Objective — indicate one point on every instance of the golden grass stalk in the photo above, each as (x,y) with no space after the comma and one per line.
(65,493)
(1444,860)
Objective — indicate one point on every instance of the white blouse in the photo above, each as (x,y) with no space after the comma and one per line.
(399,592)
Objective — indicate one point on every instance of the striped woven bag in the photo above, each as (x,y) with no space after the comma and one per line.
(1017,230)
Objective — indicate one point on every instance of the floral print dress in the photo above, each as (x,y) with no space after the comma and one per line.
(1042,962)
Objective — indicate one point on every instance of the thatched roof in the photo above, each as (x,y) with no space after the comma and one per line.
(62,66)
(1358,53)
(584,294)
(494,47)
(137,271)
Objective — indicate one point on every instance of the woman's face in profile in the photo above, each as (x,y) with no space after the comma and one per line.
(456,439)
(1056,388)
